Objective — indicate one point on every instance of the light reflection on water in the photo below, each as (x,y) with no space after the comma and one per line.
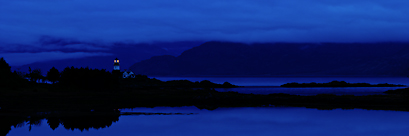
(246,121)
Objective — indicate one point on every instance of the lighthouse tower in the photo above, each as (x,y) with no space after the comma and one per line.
(116,65)
(117,71)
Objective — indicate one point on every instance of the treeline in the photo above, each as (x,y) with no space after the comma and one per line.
(94,79)
(86,79)
(142,81)
(10,79)
(71,78)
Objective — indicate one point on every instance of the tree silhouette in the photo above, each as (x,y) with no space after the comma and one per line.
(85,78)
(53,122)
(35,75)
(4,71)
(9,79)
(53,75)
(4,67)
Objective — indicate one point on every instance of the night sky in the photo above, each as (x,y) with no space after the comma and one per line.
(52,30)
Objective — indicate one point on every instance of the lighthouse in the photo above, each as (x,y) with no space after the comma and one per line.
(116,65)
(117,71)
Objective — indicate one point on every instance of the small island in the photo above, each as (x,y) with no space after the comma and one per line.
(338,84)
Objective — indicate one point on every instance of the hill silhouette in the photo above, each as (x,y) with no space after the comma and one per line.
(129,53)
(282,59)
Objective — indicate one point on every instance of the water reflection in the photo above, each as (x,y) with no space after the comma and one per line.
(83,122)
(255,121)
(68,120)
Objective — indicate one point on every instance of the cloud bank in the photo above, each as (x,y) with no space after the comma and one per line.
(18,59)
(74,28)
(25,21)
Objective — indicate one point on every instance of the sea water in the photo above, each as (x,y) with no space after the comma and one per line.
(269,85)
(254,121)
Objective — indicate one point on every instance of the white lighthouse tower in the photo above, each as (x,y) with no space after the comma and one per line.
(116,65)
(117,71)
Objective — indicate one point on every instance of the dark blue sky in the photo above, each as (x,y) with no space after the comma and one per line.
(42,30)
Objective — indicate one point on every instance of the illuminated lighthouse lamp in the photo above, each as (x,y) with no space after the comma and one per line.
(116,64)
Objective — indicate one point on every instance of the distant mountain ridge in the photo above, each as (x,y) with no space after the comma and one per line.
(282,59)
(127,53)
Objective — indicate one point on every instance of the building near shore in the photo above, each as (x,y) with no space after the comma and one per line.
(124,74)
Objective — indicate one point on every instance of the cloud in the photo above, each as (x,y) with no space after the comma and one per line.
(48,44)
(18,59)
(105,21)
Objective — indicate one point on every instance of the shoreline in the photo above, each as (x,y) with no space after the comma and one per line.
(48,100)
(279,76)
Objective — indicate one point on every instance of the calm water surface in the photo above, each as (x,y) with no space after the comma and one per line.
(268,85)
(243,121)
(277,81)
